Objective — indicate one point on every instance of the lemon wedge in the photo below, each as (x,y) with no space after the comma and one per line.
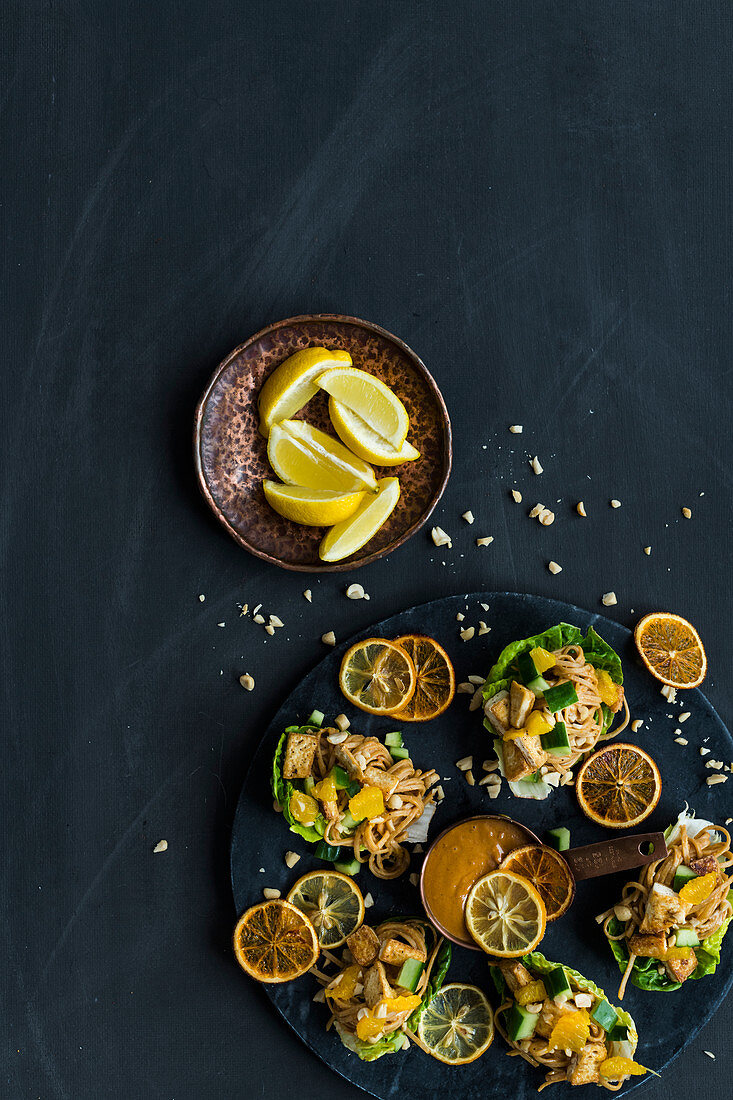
(313,507)
(349,536)
(364,441)
(370,399)
(292,384)
(302,455)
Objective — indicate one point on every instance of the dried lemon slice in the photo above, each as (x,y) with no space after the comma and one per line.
(457,1025)
(332,902)
(505,914)
(377,676)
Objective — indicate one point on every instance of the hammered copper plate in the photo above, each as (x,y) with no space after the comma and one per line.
(231,455)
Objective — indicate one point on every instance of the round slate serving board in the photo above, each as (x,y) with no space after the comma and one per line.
(666,1022)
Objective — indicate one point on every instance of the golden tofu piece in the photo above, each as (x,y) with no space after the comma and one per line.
(376,986)
(649,947)
(394,953)
(550,1013)
(704,865)
(583,1068)
(300,752)
(680,970)
(521,701)
(496,710)
(377,777)
(664,908)
(363,945)
(515,765)
(515,975)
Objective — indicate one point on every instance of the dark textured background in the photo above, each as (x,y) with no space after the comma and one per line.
(536,198)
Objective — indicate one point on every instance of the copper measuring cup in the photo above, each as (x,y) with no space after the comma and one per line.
(605,857)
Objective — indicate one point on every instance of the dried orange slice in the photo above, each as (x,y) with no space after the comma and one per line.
(275,942)
(618,786)
(547,870)
(377,676)
(436,681)
(505,914)
(671,649)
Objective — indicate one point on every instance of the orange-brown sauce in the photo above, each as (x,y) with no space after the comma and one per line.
(458,859)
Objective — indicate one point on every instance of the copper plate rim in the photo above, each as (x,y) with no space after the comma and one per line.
(468,944)
(335,567)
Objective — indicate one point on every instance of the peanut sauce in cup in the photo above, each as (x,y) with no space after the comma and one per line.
(458,858)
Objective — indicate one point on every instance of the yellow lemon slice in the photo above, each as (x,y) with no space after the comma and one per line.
(312,507)
(505,914)
(346,538)
(370,399)
(457,1025)
(302,455)
(364,441)
(292,384)
(332,902)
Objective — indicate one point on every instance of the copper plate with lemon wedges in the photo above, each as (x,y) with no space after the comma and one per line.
(550,892)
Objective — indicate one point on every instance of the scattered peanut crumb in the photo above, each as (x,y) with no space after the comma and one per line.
(221,624)
(247,681)
(647,550)
(477,679)
(202,597)
(534,512)
(468,633)
(469,778)
(368,901)
(493,789)
(637,724)
(341,722)
(515,429)
(554,567)
(460,617)
(536,465)
(464,763)
(483,628)
(439,793)
(687,513)
(609,599)
(615,503)
(259,619)
(161,846)
(308,595)
(418,849)
(244,610)
(468,516)
(440,538)
(465,688)
(269,629)
(546,517)
(319,998)
(486,541)
(275,620)
(259,605)
(709,1054)
(704,751)
(669,692)
(684,716)
(291,858)
(329,638)
(485,606)
(580,509)
(717,764)
(355,592)
(490,765)
(414,879)
(713,780)
(517,496)
(269,894)
(681,740)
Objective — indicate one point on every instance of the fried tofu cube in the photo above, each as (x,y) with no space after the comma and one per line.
(376,986)
(550,1013)
(363,945)
(521,701)
(377,777)
(680,970)
(664,908)
(394,953)
(704,865)
(532,751)
(583,1068)
(300,752)
(515,765)
(496,710)
(515,975)
(330,811)
(649,947)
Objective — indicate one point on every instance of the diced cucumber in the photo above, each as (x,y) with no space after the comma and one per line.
(687,937)
(604,1015)
(538,685)
(520,1023)
(353,788)
(560,696)
(348,867)
(308,785)
(316,719)
(320,824)
(556,982)
(393,740)
(399,752)
(527,668)
(619,1033)
(409,974)
(681,876)
(329,852)
(348,821)
(559,838)
(340,778)
(556,740)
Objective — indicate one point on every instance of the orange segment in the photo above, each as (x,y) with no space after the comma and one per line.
(548,871)
(614,1069)
(275,942)
(571,1032)
(436,683)
(618,786)
(377,676)
(698,889)
(671,649)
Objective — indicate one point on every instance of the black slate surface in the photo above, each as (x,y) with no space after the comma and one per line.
(666,1023)
(536,197)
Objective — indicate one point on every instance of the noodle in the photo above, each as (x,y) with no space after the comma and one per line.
(378,841)
(706,916)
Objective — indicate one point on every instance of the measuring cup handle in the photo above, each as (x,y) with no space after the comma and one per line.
(618,854)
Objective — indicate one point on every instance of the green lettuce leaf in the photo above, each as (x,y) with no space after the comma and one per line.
(437,977)
(599,654)
(282,789)
(369,1052)
(708,954)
